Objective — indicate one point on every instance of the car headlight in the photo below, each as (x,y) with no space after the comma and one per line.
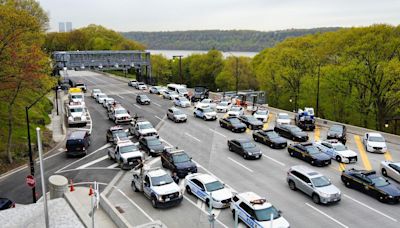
(323,194)
(70,118)
(390,196)
(152,151)
(159,198)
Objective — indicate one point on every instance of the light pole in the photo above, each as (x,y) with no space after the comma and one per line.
(180,66)
(291,104)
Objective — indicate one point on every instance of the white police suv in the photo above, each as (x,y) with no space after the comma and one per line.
(204,185)
(257,212)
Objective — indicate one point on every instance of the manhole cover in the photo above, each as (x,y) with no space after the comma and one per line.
(120,209)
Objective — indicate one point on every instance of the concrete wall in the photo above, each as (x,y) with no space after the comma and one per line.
(114,214)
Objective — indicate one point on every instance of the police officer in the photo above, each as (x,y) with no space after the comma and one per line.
(175,177)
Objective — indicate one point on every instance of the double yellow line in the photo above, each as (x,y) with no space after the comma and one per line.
(363,153)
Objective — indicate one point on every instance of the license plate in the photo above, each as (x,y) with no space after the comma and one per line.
(130,163)
(326,162)
(167,199)
(78,148)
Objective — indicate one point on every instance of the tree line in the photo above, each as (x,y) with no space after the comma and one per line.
(224,40)
(357,71)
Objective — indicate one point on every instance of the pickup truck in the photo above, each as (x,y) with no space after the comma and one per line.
(126,154)
(142,128)
(158,186)
(119,115)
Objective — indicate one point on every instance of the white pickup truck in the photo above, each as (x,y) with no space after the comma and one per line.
(142,128)
(126,154)
(158,186)
(119,115)
(76,114)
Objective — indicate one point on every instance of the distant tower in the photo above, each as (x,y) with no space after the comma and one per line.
(68,26)
(61,27)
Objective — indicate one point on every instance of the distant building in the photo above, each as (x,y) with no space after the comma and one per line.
(61,27)
(68,26)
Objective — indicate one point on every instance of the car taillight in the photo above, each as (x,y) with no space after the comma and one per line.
(13,205)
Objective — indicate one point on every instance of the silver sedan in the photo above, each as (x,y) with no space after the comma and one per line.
(391,169)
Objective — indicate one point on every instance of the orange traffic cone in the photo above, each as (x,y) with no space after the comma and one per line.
(71,186)
(90,190)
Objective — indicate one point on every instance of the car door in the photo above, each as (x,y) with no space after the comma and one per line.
(170,114)
(286,132)
(247,214)
(358,182)
(235,146)
(198,189)
(393,172)
(327,149)
(298,151)
(365,139)
(146,186)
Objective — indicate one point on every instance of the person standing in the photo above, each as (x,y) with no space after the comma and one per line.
(175,178)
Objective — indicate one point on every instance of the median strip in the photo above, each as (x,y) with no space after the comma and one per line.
(342,167)
(363,154)
(317,134)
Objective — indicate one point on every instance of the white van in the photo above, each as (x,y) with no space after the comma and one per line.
(179,88)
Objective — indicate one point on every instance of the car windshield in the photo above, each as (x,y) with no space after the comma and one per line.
(183,99)
(235,121)
(272,134)
(320,181)
(96,91)
(336,128)
(376,139)
(214,186)
(143,97)
(295,129)
(312,150)
(178,112)
(235,108)
(145,126)
(199,89)
(173,93)
(206,110)
(120,134)
(161,180)
(182,90)
(262,112)
(283,116)
(76,96)
(127,149)
(120,111)
(252,119)
(339,147)
(76,109)
(223,103)
(379,181)
(153,142)
(247,145)
(266,213)
(180,157)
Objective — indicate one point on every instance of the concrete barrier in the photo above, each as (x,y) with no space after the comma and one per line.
(114,214)
(58,185)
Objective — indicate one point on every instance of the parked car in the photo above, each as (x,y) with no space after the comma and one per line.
(310,153)
(233,124)
(132,83)
(95,92)
(178,161)
(143,99)
(126,154)
(100,98)
(141,86)
(245,148)
(282,118)
(81,85)
(262,115)
(366,181)
(206,103)
(270,138)
(154,89)
(119,115)
(223,106)
(151,145)
(374,142)
(391,169)
(251,122)
(291,132)
(176,115)
(107,101)
(336,150)
(314,184)
(115,134)
(77,143)
(337,131)
(236,110)
(205,113)
(142,128)
(181,102)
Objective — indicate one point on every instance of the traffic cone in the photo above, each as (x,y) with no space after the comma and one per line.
(90,190)
(71,186)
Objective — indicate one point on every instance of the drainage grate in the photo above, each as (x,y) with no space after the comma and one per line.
(120,209)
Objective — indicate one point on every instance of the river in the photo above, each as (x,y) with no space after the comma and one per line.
(170,53)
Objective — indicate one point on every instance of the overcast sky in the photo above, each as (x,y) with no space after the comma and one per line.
(263,15)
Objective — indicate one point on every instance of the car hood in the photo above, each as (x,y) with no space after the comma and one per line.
(222,107)
(166,189)
(222,194)
(181,116)
(276,223)
(239,125)
(76,114)
(133,154)
(321,156)
(376,144)
(390,189)
(253,150)
(157,147)
(279,140)
(260,116)
(300,134)
(184,165)
(185,102)
(348,153)
(145,99)
(210,113)
(122,115)
(330,189)
(236,113)
(146,131)
(256,122)
(283,121)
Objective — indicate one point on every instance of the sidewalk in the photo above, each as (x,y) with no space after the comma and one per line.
(57,124)
(80,202)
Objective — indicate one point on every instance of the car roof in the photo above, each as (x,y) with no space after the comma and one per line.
(306,171)
(115,128)
(125,143)
(375,134)
(254,200)
(141,122)
(243,140)
(205,178)
(77,134)
(150,138)
(156,173)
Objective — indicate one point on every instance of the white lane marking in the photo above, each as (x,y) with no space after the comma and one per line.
(159,118)
(206,212)
(240,164)
(137,106)
(94,152)
(119,96)
(93,162)
(165,141)
(53,155)
(323,213)
(88,168)
(363,204)
(216,132)
(137,206)
(112,166)
(198,140)
(274,160)
(156,104)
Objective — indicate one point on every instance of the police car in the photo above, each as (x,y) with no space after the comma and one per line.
(204,185)
(256,212)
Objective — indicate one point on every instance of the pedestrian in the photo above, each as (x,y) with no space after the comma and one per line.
(175,177)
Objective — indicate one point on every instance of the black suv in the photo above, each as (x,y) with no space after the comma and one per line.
(270,138)
(291,132)
(152,145)
(337,131)
(310,153)
(77,143)
(178,161)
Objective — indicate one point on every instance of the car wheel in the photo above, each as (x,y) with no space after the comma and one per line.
(338,159)
(194,114)
(244,155)
(204,118)
(188,190)
(153,202)
(208,202)
(233,129)
(220,124)
(292,185)
(315,199)
(312,162)
(255,139)
(230,148)
(384,173)
(293,138)
(109,156)
(291,153)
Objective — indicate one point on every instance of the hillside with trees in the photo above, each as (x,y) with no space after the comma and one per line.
(224,40)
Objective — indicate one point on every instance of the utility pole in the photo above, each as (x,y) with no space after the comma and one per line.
(211,216)
(237,75)
(40,149)
(180,66)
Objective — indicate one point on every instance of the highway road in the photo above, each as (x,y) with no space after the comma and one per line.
(206,142)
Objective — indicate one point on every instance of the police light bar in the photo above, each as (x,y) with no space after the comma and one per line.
(258,201)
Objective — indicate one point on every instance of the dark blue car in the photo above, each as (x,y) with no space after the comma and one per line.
(178,161)
(310,153)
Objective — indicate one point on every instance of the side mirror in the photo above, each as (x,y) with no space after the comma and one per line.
(280,212)
(309,184)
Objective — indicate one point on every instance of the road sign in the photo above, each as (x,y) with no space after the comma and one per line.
(30,181)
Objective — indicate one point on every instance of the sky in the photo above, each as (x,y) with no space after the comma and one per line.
(179,15)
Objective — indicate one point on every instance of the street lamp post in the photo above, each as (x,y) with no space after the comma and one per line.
(180,66)
(31,162)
